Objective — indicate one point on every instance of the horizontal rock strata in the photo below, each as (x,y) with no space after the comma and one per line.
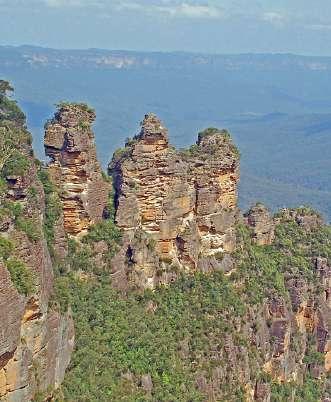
(185,202)
(73,167)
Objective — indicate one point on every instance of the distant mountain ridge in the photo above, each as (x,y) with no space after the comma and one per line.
(102,58)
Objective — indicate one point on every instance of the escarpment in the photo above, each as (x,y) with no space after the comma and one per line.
(246,319)
(36,340)
(185,202)
(74,169)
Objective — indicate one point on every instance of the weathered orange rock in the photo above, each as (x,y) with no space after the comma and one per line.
(186,201)
(69,142)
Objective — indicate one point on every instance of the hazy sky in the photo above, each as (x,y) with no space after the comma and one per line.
(222,26)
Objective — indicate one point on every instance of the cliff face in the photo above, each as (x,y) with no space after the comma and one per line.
(298,323)
(35,340)
(69,143)
(256,328)
(184,202)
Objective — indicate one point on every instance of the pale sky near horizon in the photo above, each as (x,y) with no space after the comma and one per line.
(215,26)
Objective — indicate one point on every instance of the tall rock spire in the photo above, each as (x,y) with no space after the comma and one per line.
(73,167)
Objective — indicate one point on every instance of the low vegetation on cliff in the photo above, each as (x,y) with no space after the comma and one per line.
(14,162)
(35,340)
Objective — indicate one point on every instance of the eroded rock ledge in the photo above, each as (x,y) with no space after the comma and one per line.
(73,167)
(177,209)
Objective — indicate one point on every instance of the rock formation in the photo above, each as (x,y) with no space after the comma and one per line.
(269,321)
(184,202)
(262,224)
(36,340)
(69,143)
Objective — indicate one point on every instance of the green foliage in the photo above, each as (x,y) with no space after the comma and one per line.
(119,154)
(30,227)
(52,207)
(8,108)
(314,357)
(13,140)
(10,209)
(208,132)
(5,87)
(33,193)
(104,231)
(21,276)
(14,209)
(17,165)
(262,268)
(193,150)
(130,141)
(6,248)
(259,267)
(310,391)
(3,186)
(81,106)
(84,125)
(116,335)
(307,210)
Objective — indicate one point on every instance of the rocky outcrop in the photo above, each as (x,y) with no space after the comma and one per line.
(305,217)
(262,224)
(69,143)
(185,202)
(36,340)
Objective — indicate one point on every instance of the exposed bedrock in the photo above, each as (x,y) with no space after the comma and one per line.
(73,167)
(184,202)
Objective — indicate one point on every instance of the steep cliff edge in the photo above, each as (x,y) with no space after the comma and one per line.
(245,313)
(74,169)
(184,202)
(36,341)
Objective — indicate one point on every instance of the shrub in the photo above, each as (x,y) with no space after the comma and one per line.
(17,165)
(21,276)
(53,206)
(104,231)
(29,227)
(6,248)
(5,87)
(82,106)
(208,131)
(314,357)
(10,111)
(15,208)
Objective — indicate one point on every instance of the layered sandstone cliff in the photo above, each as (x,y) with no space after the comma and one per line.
(177,210)
(183,202)
(36,340)
(73,167)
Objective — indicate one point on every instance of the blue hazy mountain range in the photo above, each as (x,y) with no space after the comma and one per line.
(277,107)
